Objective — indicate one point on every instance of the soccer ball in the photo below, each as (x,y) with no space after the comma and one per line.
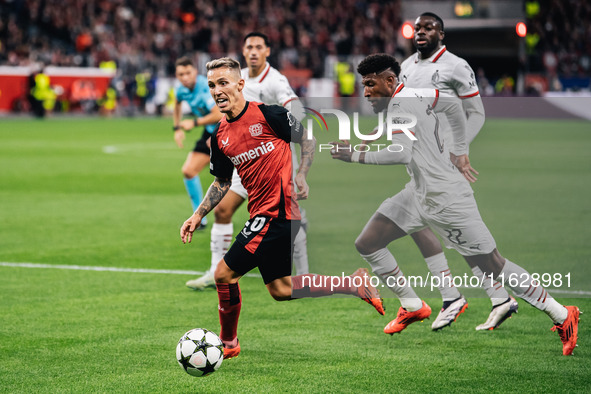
(200,352)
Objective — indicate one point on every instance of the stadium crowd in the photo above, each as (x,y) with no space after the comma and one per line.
(151,34)
(143,38)
(559,37)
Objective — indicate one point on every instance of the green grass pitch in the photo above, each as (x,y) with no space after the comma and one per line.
(109,193)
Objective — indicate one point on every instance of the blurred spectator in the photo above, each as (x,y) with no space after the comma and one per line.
(85,95)
(484,86)
(505,86)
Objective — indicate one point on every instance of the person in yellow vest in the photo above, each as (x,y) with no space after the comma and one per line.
(43,97)
(142,89)
(108,65)
(346,81)
(108,103)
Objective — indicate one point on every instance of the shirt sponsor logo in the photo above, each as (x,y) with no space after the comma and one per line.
(252,154)
(256,129)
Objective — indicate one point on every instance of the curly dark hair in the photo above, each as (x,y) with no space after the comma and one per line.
(378,63)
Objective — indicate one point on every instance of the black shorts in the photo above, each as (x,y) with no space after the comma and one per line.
(201,144)
(266,243)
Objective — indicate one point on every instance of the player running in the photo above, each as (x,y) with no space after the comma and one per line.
(265,84)
(194,90)
(438,196)
(255,139)
(433,66)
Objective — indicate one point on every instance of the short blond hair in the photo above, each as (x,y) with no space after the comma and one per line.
(224,62)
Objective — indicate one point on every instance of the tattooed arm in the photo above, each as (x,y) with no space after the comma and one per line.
(214,195)
(307,147)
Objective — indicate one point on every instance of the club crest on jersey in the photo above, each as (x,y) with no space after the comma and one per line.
(256,129)
(435,77)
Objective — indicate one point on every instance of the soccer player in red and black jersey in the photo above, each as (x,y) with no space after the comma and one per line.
(255,138)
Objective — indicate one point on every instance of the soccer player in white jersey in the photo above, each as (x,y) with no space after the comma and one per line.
(433,66)
(437,197)
(265,84)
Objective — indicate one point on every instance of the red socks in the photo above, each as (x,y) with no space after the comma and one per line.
(229,306)
(303,286)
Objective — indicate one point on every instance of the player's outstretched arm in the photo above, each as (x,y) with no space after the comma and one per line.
(214,195)
(308,145)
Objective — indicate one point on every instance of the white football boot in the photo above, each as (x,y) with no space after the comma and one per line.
(203,282)
(499,314)
(449,312)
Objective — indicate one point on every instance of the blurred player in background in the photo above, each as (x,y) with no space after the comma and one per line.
(255,139)
(265,84)
(438,197)
(193,90)
(433,66)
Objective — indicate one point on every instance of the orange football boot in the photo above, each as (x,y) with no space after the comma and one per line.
(568,330)
(367,292)
(231,353)
(404,318)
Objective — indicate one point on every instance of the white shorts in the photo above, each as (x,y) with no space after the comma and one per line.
(237,185)
(459,224)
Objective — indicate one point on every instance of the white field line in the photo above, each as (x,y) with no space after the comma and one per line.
(185,272)
(111,269)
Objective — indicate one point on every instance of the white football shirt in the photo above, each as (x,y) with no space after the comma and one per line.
(434,179)
(269,87)
(444,71)
(449,74)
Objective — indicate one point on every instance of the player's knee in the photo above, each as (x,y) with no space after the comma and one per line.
(223,214)
(218,278)
(490,264)
(222,274)
(497,262)
(364,245)
(188,172)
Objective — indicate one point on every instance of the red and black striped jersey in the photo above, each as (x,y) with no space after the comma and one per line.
(256,142)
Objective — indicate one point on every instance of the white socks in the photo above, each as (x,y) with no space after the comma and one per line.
(384,265)
(300,253)
(495,290)
(438,266)
(530,290)
(221,238)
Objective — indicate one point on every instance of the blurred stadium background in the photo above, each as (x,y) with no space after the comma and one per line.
(117,56)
